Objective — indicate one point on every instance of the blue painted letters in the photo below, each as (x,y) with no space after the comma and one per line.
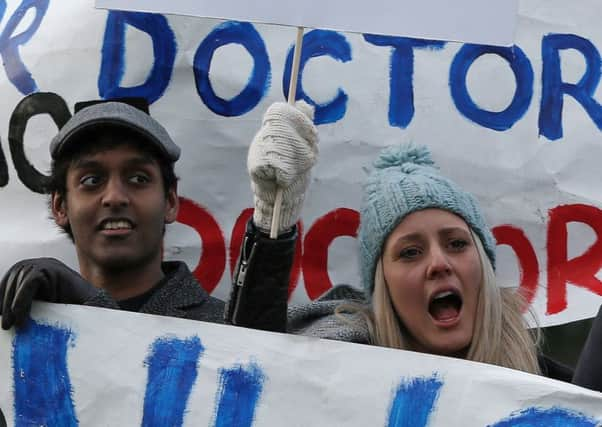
(414,402)
(172,371)
(247,36)
(16,71)
(41,380)
(554,89)
(553,417)
(238,395)
(523,72)
(320,43)
(401,74)
(113,60)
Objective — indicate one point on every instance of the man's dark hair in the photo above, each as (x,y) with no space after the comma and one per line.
(104,138)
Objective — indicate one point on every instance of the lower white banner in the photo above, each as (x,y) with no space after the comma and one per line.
(85,366)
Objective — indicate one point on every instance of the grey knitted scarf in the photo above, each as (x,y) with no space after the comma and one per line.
(318,318)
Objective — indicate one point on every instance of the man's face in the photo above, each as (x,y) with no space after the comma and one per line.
(116,207)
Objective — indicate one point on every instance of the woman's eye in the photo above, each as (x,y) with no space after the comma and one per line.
(458,244)
(409,253)
(90,180)
(139,178)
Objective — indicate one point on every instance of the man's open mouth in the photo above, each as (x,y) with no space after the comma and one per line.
(116,224)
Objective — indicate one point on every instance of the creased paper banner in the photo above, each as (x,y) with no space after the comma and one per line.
(519,127)
(76,365)
(474,21)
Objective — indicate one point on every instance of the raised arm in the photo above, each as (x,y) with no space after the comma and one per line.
(281,155)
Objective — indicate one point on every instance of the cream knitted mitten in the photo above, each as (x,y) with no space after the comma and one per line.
(281,156)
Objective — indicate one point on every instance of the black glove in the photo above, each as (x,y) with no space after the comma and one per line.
(45,279)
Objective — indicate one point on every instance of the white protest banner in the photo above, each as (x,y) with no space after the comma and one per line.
(473,21)
(94,367)
(519,127)
(429,19)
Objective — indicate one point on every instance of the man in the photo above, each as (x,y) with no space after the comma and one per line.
(113,190)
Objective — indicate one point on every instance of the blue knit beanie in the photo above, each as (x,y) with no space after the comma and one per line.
(405,180)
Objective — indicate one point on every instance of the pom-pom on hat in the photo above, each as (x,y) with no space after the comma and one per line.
(405,179)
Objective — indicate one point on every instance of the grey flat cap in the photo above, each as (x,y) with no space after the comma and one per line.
(115,114)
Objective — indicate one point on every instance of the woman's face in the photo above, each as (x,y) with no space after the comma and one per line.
(433,273)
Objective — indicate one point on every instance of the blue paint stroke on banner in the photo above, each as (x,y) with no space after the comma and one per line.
(552,417)
(554,88)
(172,371)
(16,71)
(245,35)
(401,74)
(113,61)
(238,395)
(523,74)
(319,43)
(43,393)
(414,402)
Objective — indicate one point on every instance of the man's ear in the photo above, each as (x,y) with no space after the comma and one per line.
(59,209)
(172,205)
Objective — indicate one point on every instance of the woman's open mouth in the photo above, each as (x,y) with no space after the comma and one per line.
(445,307)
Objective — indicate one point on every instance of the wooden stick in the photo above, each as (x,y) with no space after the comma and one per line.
(292,87)
(292,93)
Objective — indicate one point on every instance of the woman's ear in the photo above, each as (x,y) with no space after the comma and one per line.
(59,209)
(172,205)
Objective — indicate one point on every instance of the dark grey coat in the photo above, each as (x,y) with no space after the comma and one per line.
(181,296)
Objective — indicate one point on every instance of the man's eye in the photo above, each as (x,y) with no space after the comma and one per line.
(139,178)
(90,180)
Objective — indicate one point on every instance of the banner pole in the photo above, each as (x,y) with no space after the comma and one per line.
(292,93)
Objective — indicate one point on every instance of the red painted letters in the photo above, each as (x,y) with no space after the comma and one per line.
(580,271)
(527,259)
(213,254)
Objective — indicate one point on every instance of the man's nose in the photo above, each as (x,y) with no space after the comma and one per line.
(115,194)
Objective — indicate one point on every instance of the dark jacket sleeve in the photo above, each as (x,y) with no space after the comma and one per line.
(551,368)
(260,286)
(588,372)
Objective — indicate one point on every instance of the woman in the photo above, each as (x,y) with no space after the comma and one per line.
(427,261)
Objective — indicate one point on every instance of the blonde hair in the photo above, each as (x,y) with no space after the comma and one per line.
(500,335)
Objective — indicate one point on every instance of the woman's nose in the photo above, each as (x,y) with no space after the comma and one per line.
(438,263)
